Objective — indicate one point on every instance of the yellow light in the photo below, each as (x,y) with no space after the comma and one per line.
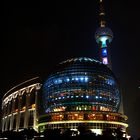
(33,105)
(97,131)
(24,108)
(84,121)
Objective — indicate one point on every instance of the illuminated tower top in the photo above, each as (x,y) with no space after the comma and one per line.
(103,36)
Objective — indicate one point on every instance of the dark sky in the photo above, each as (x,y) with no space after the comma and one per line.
(35,36)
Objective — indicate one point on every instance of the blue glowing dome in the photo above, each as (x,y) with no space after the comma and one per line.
(81,83)
(103,32)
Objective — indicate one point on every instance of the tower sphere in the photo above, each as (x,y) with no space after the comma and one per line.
(103,32)
(81,84)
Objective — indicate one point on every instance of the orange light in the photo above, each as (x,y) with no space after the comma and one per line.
(33,105)
(76,114)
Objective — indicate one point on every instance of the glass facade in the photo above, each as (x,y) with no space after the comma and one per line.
(81,90)
(81,84)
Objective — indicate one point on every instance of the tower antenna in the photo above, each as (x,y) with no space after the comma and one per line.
(102,14)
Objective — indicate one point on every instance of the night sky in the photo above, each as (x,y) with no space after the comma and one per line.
(35,36)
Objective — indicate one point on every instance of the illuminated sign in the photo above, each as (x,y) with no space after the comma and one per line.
(105,60)
(104,52)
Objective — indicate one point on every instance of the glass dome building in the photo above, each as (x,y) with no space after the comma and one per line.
(81,91)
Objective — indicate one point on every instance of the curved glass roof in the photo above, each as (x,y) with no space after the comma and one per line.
(86,59)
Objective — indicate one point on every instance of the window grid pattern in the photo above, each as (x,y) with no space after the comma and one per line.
(81,85)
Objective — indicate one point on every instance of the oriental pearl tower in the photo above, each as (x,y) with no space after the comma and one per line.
(103,36)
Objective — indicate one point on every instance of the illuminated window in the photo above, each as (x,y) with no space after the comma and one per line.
(105,60)
(96,97)
(87,96)
(104,51)
(94,108)
(103,40)
(110,81)
(67,79)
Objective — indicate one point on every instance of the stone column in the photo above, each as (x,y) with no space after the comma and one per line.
(27,108)
(12,114)
(36,111)
(7,118)
(3,123)
(3,117)
(18,113)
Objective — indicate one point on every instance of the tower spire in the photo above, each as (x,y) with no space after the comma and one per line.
(102,14)
(103,36)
